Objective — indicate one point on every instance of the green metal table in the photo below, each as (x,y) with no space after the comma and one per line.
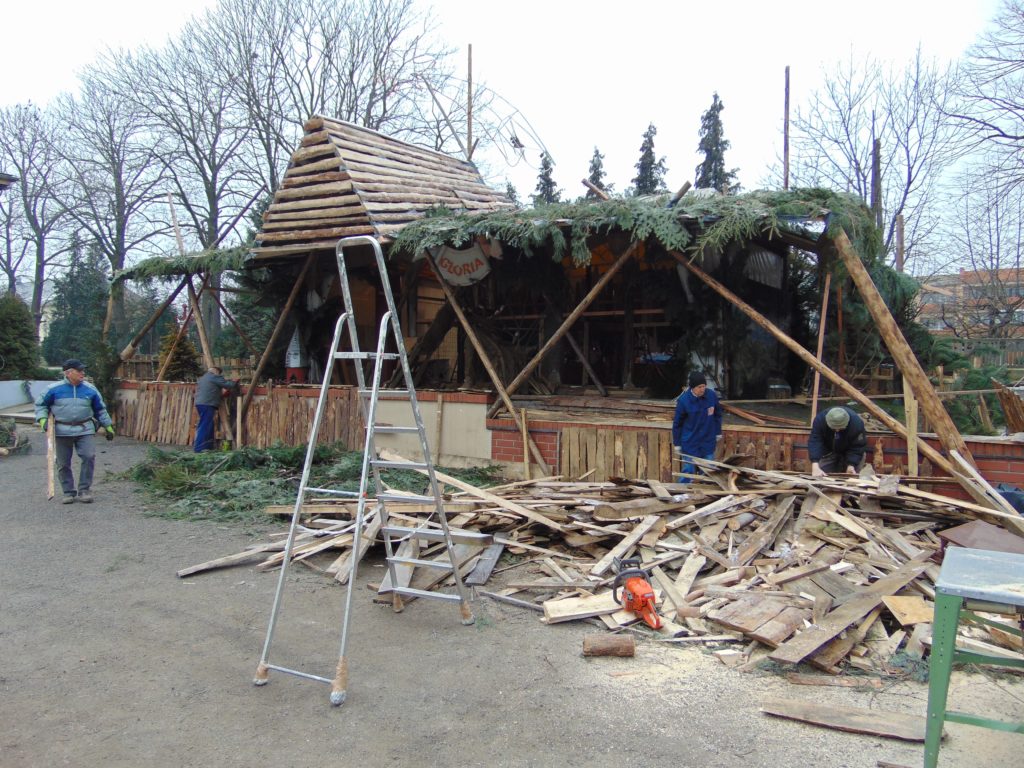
(970,580)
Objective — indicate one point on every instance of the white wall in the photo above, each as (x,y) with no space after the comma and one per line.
(12,393)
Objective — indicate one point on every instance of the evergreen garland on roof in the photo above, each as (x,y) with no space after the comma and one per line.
(215,261)
(692,224)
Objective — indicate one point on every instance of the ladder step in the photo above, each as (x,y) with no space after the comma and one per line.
(405,497)
(399,464)
(426,563)
(390,430)
(334,492)
(365,356)
(427,594)
(436,534)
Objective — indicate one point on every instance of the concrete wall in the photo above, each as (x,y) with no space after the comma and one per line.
(13,393)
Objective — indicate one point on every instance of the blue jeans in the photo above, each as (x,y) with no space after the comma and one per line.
(204,429)
(689,468)
(85,445)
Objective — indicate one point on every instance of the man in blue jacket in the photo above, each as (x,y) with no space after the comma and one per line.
(76,408)
(697,424)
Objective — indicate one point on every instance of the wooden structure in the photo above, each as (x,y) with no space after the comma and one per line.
(347,180)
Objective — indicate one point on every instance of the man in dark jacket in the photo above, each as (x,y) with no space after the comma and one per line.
(75,408)
(209,391)
(837,442)
(697,424)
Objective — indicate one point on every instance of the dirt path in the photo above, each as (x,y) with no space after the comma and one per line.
(107,659)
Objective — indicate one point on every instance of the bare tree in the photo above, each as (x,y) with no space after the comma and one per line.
(990,86)
(988,235)
(113,178)
(28,147)
(15,243)
(907,112)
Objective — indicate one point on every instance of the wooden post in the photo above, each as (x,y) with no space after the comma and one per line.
(901,352)
(129,351)
(785,137)
(282,318)
(567,324)
(204,341)
(524,429)
(495,379)
(910,409)
(821,340)
(808,358)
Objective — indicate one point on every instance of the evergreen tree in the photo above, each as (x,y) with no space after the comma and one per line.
(547,191)
(650,173)
(185,361)
(711,173)
(19,351)
(597,174)
(80,301)
(512,194)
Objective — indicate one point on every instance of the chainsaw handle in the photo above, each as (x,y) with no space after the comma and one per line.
(621,576)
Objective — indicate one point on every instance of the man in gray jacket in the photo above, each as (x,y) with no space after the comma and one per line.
(76,408)
(209,390)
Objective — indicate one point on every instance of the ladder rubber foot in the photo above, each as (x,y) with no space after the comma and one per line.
(467,614)
(338,698)
(262,676)
(397,604)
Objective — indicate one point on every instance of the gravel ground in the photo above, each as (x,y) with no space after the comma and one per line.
(108,659)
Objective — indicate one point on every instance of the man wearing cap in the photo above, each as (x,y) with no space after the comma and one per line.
(76,408)
(838,442)
(697,424)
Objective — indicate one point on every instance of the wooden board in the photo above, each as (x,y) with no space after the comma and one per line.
(572,608)
(892,725)
(910,609)
(811,639)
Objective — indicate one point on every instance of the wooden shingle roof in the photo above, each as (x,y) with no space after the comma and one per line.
(346,180)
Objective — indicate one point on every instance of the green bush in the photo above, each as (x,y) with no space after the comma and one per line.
(19,349)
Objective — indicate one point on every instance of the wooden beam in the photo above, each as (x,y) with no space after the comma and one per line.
(821,344)
(936,457)
(204,340)
(495,378)
(129,351)
(567,323)
(901,352)
(282,318)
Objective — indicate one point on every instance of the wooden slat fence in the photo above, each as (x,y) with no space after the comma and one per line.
(164,413)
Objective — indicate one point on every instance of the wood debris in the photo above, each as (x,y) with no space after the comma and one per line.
(835,572)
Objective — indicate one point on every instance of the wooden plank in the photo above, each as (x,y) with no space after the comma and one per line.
(892,725)
(625,545)
(572,608)
(482,571)
(811,639)
(778,629)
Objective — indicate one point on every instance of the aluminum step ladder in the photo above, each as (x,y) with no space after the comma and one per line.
(434,528)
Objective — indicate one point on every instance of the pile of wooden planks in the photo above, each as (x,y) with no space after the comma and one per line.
(837,572)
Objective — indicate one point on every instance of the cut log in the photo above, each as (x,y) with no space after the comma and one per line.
(609,645)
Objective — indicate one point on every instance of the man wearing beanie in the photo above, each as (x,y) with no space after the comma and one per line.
(697,424)
(838,441)
(74,409)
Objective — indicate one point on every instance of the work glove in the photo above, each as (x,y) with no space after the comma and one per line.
(109,432)
(42,425)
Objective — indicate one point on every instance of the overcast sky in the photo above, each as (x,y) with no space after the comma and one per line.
(583,74)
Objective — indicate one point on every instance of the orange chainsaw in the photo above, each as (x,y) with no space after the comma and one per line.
(637,592)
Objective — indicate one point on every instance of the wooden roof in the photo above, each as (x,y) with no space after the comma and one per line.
(346,180)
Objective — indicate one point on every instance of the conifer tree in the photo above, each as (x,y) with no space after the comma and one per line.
(185,361)
(547,191)
(713,144)
(597,174)
(650,173)
(79,301)
(511,193)
(19,351)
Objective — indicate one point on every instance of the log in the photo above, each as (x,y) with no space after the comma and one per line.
(609,645)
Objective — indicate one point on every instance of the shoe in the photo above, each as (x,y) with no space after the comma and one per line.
(69,498)
(85,497)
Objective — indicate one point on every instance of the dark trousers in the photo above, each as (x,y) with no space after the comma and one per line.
(85,445)
(836,463)
(204,429)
